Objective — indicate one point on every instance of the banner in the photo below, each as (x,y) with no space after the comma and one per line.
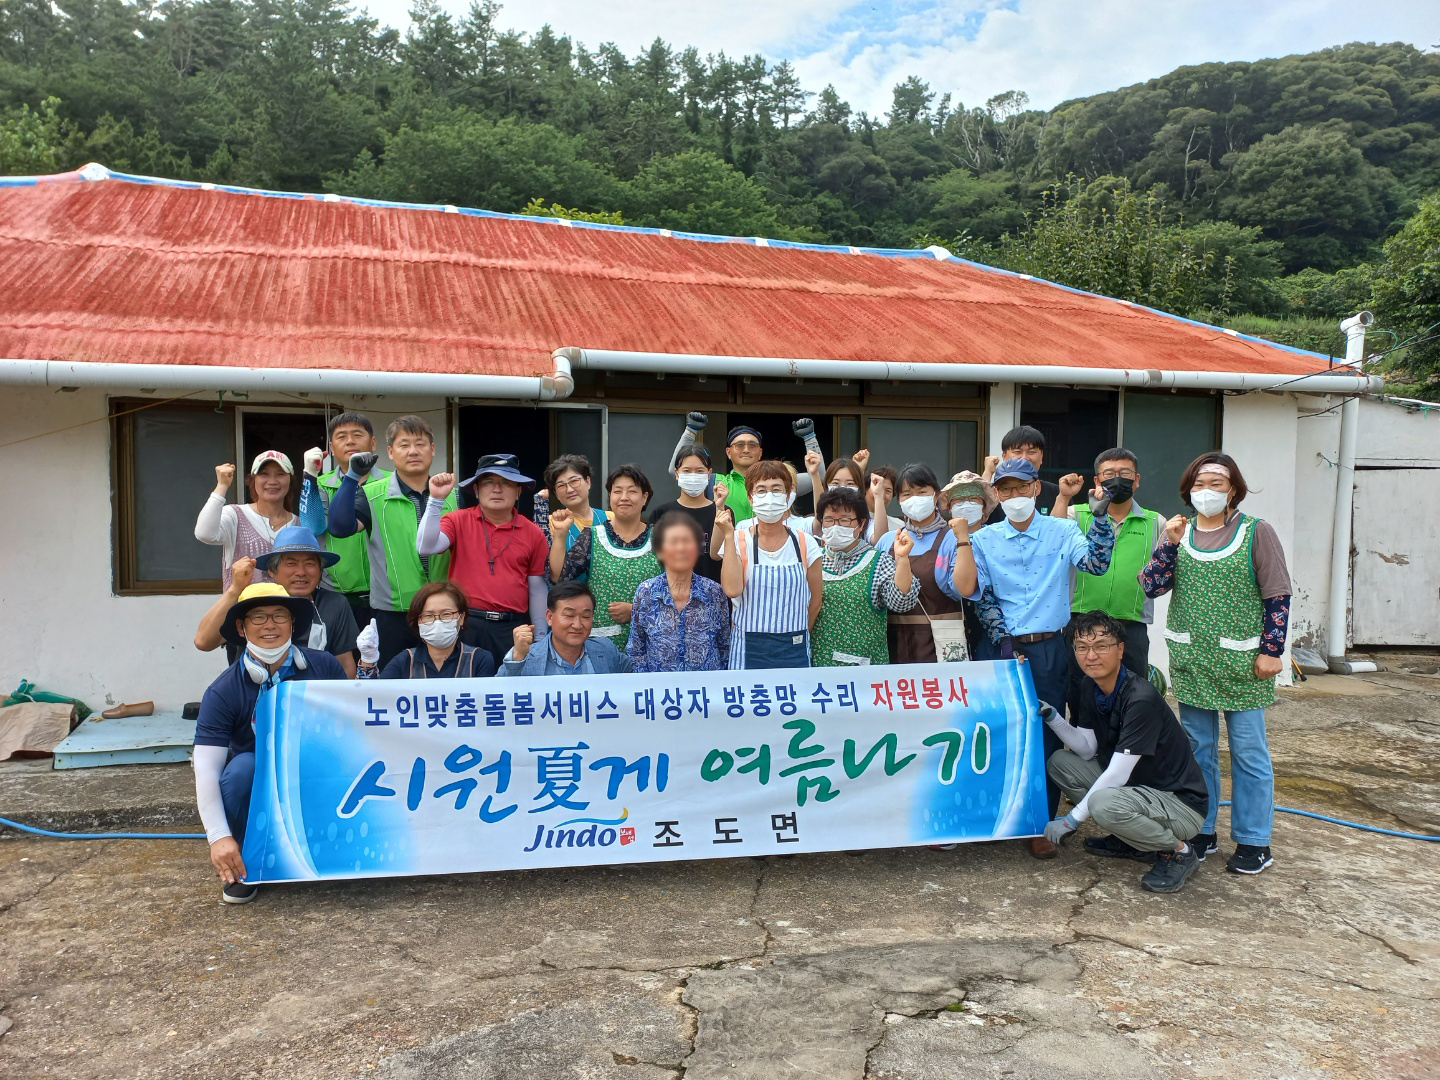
(371,779)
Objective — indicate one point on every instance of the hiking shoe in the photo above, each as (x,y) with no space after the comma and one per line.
(1205,843)
(1112,847)
(239,893)
(1249,859)
(1171,870)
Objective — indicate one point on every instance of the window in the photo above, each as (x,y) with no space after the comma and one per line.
(1167,432)
(164,459)
(1077,425)
(947,446)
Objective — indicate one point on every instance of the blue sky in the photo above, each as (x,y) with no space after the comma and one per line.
(973,49)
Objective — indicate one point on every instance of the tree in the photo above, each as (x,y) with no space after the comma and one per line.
(697,192)
(34,142)
(1407,287)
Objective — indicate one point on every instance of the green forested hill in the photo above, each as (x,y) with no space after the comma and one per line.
(1268,176)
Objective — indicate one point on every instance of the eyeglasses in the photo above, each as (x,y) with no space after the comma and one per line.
(1111,474)
(444,616)
(566,485)
(261,618)
(848,523)
(1097,649)
(745,444)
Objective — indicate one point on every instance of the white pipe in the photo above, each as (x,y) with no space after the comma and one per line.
(883,370)
(65,373)
(1338,622)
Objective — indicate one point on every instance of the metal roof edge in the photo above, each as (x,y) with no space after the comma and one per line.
(95,172)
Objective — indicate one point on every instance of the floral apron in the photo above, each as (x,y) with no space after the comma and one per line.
(1214,625)
(849,629)
(615,574)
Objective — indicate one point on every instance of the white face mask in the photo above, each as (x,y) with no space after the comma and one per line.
(838,537)
(441,633)
(771,506)
(918,507)
(692,483)
(1209,503)
(1019,508)
(267,656)
(971,512)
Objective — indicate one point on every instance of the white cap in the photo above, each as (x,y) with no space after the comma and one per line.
(271,455)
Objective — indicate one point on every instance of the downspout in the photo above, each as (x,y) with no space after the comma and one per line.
(1337,625)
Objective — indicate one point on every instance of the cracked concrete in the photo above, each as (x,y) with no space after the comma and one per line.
(117,961)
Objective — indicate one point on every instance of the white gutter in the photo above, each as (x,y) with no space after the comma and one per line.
(67,373)
(882,371)
(1338,623)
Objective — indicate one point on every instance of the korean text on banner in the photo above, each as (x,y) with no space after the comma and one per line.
(370,779)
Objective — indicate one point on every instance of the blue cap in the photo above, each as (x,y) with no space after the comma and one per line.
(1017,467)
(296,539)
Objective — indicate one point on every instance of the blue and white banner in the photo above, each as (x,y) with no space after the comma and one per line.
(372,779)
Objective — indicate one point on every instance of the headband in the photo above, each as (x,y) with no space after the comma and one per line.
(1213,467)
(736,432)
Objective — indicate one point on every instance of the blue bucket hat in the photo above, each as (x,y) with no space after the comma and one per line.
(296,540)
(1017,467)
(504,466)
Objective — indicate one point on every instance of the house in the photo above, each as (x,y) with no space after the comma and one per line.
(150,329)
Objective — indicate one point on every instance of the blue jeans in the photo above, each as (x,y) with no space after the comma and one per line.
(1049,662)
(236,782)
(1252,777)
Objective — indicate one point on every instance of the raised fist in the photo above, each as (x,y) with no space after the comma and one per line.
(804,428)
(362,463)
(242,573)
(524,637)
(1071,484)
(224,476)
(812,461)
(724,519)
(904,544)
(441,484)
(991,464)
(313,457)
(722,493)
(861,457)
(696,421)
(1175,528)
(560,522)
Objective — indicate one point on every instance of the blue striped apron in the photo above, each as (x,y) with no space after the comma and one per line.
(772,615)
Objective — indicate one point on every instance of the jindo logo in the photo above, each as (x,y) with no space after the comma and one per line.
(598,833)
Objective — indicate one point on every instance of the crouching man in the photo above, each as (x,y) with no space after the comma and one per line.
(1126,763)
(262,622)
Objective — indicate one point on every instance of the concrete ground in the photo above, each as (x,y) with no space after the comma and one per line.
(116,959)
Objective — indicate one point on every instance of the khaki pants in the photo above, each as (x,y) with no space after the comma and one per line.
(1143,817)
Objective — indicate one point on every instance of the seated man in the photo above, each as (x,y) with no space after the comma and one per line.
(262,623)
(567,648)
(1126,763)
(296,563)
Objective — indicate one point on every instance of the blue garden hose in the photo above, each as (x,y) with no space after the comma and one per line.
(199,836)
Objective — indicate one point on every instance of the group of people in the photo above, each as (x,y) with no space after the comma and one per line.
(372,574)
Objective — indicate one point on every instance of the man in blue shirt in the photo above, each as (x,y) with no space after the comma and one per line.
(1025,561)
(261,623)
(568,648)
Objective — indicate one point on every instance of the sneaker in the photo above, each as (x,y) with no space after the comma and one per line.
(1112,847)
(1171,870)
(1249,859)
(239,893)
(1205,843)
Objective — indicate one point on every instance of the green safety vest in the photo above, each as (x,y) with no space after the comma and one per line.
(352,573)
(738,500)
(1117,592)
(395,571)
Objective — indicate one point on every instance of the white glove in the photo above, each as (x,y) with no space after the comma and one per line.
(313,457)
(368,642)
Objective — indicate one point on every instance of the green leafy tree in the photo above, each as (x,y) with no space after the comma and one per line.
(697,192)
(33,142)
(1407,287)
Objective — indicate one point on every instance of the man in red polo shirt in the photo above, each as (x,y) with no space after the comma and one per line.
(497,558)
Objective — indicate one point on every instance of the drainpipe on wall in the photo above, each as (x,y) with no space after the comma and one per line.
(1338,623)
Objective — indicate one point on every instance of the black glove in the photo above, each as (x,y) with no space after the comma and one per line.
(361,464)
(1007,648)
(804,428)
(696,421)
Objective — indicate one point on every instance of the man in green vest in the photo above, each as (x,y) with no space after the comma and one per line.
(349,433)
(388,511)
(1117,592)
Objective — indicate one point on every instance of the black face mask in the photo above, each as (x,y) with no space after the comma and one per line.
(1120,488)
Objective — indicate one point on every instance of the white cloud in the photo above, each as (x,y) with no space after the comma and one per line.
(1051,49)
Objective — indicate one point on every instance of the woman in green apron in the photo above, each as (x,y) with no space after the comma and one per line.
(861,584)
(1229,613)
(613,555)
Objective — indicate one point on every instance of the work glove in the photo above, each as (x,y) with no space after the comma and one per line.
(1060,828)
(368,642)
(361,464)
(804,429)
(313,457)
(1048,713)
(696,421)
(1007,648)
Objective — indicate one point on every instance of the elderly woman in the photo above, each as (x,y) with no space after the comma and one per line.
(567,483)
(937,631)
(247,530)
(681,620)
(436,616)
(1226,627)
(860,584)
(771,571)
(613,556)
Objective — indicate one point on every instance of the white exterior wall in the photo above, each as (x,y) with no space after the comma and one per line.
(60,623)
